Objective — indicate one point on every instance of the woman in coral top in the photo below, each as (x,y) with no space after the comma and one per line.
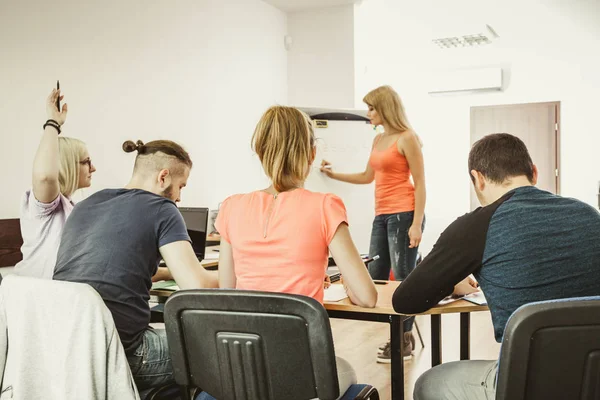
(399,203)
(278,239)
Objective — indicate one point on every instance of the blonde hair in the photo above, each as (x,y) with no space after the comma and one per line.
(386,101)
(284,142)
(70,151)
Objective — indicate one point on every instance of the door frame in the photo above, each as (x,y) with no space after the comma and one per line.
(557,132)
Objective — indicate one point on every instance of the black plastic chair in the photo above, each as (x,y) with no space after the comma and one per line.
(551,350)
(249,345)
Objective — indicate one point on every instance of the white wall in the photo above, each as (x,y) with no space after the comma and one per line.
(550,49)
(321,58)
(199,72)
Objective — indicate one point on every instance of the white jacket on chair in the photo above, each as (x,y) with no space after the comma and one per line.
(58,341)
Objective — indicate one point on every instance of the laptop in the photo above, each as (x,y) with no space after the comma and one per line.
(334,273)
(196,221)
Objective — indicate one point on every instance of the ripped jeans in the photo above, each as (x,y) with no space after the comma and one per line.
(389,240)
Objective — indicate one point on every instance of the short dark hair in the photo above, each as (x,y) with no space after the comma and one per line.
(500,156)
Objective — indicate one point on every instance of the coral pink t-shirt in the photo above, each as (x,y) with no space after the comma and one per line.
(281,243)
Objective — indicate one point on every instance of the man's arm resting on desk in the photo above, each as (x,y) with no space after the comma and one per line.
(457,254)
(162,274)
(185,267)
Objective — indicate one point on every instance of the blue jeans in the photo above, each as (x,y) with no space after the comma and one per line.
(389,240)
(151,363)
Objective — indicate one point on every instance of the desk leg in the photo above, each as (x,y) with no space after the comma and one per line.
(436,339)
(465,335)
(396,333)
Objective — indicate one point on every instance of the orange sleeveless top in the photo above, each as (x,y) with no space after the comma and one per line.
(394,191)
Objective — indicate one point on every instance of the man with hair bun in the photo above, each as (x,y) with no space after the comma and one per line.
(114,241)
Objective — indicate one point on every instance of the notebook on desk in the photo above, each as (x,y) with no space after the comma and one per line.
(476,298)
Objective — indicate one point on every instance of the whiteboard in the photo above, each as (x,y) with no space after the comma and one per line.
(347,146)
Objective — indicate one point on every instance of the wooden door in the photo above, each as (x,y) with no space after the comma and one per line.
(537,124)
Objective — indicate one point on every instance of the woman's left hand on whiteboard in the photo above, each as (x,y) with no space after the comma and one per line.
(414,234)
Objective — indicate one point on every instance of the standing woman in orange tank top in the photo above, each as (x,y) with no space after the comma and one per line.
(399,203)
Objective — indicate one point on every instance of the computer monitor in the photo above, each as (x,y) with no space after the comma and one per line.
(196,221)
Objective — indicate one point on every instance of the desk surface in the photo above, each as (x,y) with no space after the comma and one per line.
(213,237)
(210,250)
(384,303)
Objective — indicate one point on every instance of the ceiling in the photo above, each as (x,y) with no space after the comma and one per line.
(301,5)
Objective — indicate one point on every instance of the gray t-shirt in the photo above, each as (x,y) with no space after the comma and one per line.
(111,242)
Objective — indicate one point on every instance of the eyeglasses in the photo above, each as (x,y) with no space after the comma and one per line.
(87,161)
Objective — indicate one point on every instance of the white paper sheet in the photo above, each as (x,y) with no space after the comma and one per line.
(335,293)
(448,300)
(477,298)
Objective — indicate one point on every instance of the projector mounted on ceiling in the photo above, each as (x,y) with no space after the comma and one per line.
(476,37)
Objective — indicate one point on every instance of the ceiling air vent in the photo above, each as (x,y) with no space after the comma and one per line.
(478,37)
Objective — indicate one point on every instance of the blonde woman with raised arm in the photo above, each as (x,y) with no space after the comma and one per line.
(62,165)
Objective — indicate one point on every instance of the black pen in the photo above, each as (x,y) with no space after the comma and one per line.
(58,98)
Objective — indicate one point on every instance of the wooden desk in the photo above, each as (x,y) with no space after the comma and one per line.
(10,242)
(213,239)
(384,312)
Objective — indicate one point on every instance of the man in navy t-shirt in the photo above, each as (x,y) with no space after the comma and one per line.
(114,241)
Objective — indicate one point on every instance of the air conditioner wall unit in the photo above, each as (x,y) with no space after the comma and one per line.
(465,80)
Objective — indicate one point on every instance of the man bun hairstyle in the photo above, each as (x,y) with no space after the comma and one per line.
(156,147)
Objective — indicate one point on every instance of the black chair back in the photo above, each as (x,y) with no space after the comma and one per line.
(249,345)
(551,350)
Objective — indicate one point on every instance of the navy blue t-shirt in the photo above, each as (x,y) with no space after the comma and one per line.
(111,242)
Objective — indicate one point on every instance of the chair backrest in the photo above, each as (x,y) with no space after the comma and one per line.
(250,345)
(10,242)
(551,350)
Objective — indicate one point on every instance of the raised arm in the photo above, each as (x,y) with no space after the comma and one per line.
(185,267)
(360,178)
(47,161)
(359,285)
